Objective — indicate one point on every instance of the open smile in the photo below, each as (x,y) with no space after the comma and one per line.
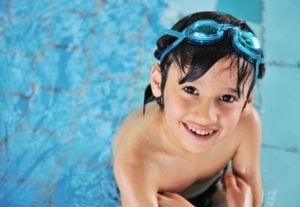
(201,134)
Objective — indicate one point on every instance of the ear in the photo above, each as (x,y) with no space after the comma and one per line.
(155,80)
(248,104)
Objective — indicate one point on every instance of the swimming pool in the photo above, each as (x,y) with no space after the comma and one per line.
(72,70)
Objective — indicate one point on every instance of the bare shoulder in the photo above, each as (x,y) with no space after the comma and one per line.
(250,125)
(248,152)
(132,145)
(134,131)
(127,131)
(135,172)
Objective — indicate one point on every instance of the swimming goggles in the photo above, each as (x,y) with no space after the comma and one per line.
(208,32)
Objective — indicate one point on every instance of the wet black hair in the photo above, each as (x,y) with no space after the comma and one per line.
(200,58)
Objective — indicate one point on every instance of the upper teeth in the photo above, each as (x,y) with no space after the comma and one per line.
(199,132)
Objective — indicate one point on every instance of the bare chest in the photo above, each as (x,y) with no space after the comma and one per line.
(177,174)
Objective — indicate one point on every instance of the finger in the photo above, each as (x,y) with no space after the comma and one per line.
(168,194)
(159,197)
(172,195)
(230,181)
(242,184)
(162,197)
(175,199)
(164,201)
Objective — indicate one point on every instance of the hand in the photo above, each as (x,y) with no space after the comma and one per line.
(172,200)
(238,192)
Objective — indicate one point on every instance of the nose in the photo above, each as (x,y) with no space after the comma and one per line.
(205,112)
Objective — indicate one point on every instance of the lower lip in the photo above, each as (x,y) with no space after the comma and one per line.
(200,137)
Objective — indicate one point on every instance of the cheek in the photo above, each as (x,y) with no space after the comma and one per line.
(174,106)
(231,119)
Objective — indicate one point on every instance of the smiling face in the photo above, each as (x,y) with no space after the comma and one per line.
(200,114)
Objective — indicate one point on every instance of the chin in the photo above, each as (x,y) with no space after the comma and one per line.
(201,146)
(197,148)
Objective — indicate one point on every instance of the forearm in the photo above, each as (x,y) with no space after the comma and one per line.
(138,200)
(136,189)
(258,200)
(257,189)
(257,203)
(136,194)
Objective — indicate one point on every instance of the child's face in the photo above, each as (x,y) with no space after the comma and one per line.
(200,114)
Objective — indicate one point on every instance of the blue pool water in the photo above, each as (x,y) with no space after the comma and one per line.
(72,70)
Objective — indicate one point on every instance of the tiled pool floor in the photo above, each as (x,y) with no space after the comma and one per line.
(72,70)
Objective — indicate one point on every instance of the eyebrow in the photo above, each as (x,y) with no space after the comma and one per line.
(233,90)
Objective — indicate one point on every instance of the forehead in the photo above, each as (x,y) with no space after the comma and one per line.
(225,70)
(222,74)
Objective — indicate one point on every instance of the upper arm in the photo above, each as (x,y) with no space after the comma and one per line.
(137,183)
(246,162)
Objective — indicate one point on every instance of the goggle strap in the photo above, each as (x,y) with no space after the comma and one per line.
(257,68)
(174,33)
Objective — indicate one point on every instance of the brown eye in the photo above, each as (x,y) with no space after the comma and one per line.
(190,90)
(228,98)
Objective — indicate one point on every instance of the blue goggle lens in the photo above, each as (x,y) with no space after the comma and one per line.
(203,32)
(248,40)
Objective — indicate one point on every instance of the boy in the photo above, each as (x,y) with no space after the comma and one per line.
(203,117)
